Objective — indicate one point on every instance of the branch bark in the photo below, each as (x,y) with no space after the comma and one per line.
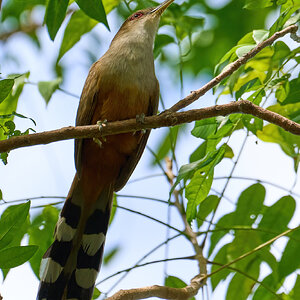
(162,120)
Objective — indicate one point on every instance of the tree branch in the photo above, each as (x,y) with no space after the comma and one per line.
(230,69)
(162,120)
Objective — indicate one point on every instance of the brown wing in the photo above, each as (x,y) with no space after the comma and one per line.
(134,158)
(88,101)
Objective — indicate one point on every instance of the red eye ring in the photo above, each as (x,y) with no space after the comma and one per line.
(136,16)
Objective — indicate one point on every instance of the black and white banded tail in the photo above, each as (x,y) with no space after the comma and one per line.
(71,264)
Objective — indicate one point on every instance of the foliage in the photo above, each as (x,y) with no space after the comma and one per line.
(271,79)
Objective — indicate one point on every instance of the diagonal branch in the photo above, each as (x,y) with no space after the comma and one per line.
(162,120)
(230,69)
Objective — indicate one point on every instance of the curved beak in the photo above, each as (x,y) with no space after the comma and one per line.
(161,8)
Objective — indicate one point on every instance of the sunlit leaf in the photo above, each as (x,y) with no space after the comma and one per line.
(15,256)
(110,254)
(5,88)
(12,220)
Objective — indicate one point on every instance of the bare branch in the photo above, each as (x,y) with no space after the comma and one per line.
(163,120)
(231,68)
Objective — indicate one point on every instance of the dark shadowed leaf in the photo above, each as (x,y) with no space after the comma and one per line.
(290,260)
(41,233)
(78,25)
(94,9)
(54,16)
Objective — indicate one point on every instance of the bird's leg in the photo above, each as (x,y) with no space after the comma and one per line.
(140,119)
(101,124)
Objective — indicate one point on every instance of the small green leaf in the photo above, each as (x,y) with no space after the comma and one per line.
(78,25)
(47,88)
(1,195)
(54,16)
(5,87)
(94,9)
(113,209)
(16,256)
(96,293)
(110,254)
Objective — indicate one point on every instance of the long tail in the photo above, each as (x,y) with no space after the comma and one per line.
(70,266)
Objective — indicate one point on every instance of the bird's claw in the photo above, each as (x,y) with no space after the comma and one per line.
(140,119)
(101,124)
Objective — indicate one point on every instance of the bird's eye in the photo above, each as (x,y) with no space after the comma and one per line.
(136,16)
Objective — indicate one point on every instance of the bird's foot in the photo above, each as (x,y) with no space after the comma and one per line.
(101,124)
(98,142)
(140,119)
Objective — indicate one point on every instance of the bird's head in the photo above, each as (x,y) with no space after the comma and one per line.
(143,24)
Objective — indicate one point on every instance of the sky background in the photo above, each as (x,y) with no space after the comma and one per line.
(48,170)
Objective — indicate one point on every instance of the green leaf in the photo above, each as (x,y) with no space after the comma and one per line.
(11,222)
(1,195)
(10,104)
(252,123)
(277,217)
(161,41)
(54,16)
(16,256)
(94,9)
(294,92)
(78,25)
(41,233)
(5,87)
(167,142)
(221,258)
(206,207)
(110,254)
(196,191)
(175,282)
(241,286)
(96,293)
(114,208)
(288,142)
(187,171)
(47,88)
(256,4)
(290,260)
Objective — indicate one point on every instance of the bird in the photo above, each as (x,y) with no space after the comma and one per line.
(121,85)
